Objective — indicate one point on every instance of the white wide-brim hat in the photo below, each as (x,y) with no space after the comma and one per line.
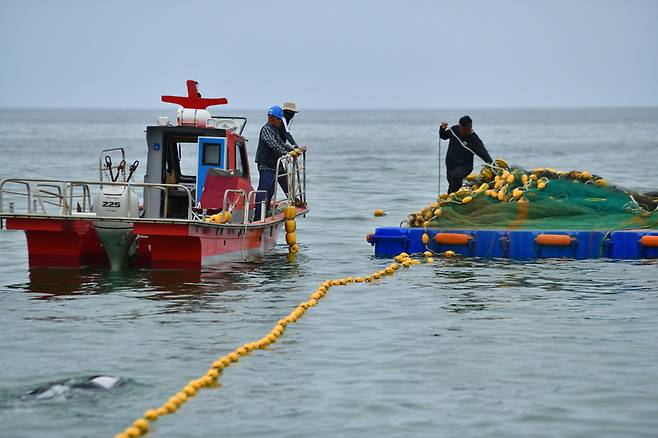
(290,106)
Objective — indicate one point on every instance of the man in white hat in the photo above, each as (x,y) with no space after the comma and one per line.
(289,111)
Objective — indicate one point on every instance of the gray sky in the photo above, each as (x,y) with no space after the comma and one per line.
(330,54)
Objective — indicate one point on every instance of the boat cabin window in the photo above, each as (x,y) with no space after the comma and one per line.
(180,165)
(181,155)
(187,157)
(240,159)
(212,154)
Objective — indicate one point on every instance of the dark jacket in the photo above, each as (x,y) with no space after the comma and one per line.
(286,135)
(458,155)
(270,148)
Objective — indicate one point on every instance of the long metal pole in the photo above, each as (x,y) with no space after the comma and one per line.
(439,163)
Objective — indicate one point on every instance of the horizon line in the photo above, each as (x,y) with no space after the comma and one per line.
(521,108)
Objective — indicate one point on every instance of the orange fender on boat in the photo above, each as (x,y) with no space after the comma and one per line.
(649,241)
(554,240)
(452,238)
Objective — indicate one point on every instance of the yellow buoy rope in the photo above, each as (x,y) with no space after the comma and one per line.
(290,213)
(209,380)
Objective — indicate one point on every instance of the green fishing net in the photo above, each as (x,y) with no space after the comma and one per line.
(503,197)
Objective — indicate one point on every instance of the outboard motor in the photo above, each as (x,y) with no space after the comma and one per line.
(116,236)
(116,201)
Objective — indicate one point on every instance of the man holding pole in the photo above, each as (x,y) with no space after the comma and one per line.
(464,143)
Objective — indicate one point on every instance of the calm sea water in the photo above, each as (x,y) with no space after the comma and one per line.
(463,347)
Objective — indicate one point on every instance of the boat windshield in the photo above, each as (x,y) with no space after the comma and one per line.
(188,156)
(230,123)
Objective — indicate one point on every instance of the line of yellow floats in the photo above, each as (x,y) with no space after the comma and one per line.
(142,425)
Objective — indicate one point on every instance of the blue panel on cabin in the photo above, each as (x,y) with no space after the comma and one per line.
(212,155)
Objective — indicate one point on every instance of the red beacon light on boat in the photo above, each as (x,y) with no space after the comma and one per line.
(193,110)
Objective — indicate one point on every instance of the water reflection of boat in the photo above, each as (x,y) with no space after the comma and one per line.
(197,202)
(158,284)
(48,283)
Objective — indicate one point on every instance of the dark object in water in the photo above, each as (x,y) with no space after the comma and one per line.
(60,387)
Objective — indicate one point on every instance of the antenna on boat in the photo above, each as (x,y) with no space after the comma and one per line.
(193,111)
(439,194)
(193,100)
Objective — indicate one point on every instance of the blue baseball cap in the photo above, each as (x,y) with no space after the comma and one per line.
(276,111)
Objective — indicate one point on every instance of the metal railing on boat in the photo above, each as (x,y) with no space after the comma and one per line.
(62,194)
(40,194)
(294,170)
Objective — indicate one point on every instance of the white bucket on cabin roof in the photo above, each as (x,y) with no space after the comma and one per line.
(192,117)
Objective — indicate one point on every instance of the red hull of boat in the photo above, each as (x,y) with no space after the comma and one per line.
(72,243)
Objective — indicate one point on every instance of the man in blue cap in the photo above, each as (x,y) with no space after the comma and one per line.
(270,148)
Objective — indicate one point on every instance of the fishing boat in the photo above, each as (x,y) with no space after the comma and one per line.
(196,206)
